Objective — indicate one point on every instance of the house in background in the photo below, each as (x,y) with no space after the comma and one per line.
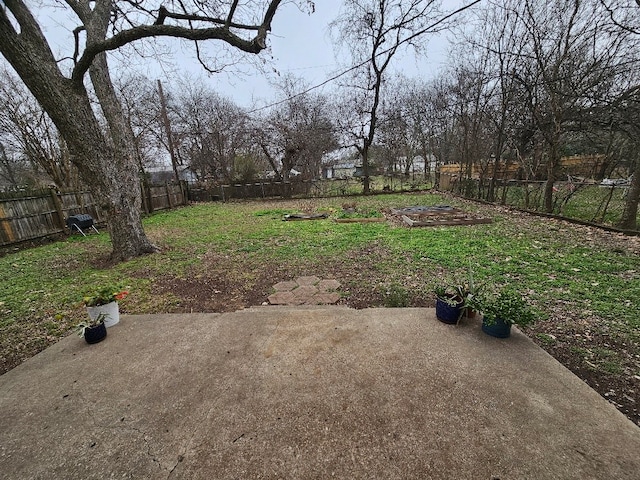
(418,165)
(341,163)
(164,174)
(341,170)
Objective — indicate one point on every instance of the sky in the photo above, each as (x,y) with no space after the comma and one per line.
(300,44)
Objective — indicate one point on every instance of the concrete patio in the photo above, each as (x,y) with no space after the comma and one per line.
(306,393)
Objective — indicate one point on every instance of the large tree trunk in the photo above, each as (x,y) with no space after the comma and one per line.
(548,191)
(105,160)
(108,167)
(120,189)
(630,213)
(366,183)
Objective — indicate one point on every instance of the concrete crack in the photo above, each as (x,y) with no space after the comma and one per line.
(146,442)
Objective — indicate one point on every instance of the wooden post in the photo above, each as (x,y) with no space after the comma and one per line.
(145,200)
(59,208)
(168,190)
(7,234)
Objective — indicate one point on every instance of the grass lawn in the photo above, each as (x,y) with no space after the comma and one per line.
(590,203)
(585,283)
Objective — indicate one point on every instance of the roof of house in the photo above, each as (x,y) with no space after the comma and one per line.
(339,155)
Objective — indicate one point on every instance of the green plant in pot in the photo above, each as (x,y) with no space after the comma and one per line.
(503,310)
(104,300)
(471,292)
(449,304)
(94,329)
(104,295)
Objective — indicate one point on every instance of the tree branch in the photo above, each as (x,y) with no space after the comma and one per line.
(626,28)
(76,40)
(163,14)
(232,12)
(159,29)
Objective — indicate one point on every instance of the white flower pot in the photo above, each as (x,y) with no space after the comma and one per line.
(111,310)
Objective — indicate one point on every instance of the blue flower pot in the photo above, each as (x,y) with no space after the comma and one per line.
(498,328)
(95,334)
(447,313)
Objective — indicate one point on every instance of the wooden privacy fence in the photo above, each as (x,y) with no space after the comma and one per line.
(38,214)
(335,187)
(249,190)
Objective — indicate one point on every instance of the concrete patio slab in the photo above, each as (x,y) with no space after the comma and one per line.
(306,393)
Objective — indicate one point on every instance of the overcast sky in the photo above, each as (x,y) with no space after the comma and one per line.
(300,44)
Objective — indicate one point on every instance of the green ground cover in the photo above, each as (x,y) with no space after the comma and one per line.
(584,283)
(590,203)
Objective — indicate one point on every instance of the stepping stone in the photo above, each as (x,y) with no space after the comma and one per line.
(326,285)
(311,280)
(285,286)
(307,290)
(281,298)
(326,298)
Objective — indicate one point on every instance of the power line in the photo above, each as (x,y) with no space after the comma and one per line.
(344,72)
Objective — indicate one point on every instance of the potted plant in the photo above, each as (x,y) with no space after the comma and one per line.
(93,330)
(104,300)
(503,310)
(471,293)
(449,304)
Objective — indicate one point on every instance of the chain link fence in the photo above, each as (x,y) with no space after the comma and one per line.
(585,201)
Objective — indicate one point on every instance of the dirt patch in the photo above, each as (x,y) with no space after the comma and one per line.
(607,360)
(619,389)
(223,284)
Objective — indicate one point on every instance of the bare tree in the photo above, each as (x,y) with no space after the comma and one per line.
(393,135)
(404,125)
(375,31)
(297,132)
(567,57)
(106,158)
(212,132)
(440,108)
(10,169)
(413,99)
(500,42)
(625,114)
(554,78)
(30,133)
(141,108)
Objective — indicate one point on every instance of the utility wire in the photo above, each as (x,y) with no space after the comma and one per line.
(338,75)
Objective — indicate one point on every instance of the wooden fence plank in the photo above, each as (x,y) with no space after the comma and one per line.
(44,213)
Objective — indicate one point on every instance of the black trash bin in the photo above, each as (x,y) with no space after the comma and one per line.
(81,222)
